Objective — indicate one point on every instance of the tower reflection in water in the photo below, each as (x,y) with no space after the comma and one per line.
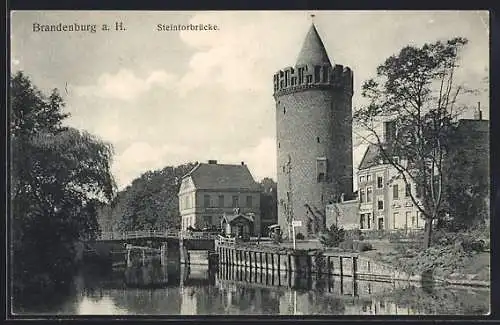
(179,290)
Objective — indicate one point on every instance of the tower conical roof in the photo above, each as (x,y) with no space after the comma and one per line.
(313,51)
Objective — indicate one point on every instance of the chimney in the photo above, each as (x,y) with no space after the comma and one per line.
(212,162)
(478,115)
(389,132)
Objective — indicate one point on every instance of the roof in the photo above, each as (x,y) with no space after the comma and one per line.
(313,51)
(231,218)
(222,176)
(371,157)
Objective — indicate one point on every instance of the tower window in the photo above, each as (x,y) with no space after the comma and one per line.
(321,177)
(317,139)
(284,110)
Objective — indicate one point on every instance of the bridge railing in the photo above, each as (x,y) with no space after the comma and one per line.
(197,235)
(170,233)
(137,234)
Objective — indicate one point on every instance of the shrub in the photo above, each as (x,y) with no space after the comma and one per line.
(469,242)
(347,244)
(333,237)
(300,236)
(363,246)
(354,234)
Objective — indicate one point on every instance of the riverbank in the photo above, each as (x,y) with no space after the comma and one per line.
(450,265)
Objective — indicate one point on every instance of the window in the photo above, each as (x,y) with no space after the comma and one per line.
(407,219)
(284,110)
(207,220)
(395,191)
(249,201)
(236,202)
(361,196)
(317,139)
(321,169)
(317,74)
(396,220)
(380,204)
(380,182)
(408,190)
(221,201)
(361,179)
(206,200)
(368,194)
(368,219)
(279,145)
(368,178)
(413,222)
(362,221)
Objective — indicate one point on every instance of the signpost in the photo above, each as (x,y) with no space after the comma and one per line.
(295,223)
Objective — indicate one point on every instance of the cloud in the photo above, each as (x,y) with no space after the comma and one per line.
(260,159)
(140,157)
(125,85)
(241,55)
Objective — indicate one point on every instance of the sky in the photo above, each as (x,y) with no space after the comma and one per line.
(163,98)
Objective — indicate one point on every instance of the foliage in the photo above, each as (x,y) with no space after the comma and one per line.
(468,242)
(416,90)
(333,237)
(300,236)
(354,234)
(355,245)
(468,185)
(59,178)
(150,202)
(268,201)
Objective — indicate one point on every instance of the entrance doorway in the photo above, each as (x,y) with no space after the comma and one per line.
(380,223)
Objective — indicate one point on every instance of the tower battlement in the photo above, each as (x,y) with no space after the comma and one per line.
(307,76)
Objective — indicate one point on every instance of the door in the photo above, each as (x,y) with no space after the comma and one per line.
(380,223)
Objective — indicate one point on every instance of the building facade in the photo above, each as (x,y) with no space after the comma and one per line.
(314,135)
(210,190)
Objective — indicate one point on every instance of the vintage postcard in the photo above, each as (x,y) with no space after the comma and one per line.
(168,163)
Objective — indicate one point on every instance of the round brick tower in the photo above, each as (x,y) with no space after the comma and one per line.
(314,136)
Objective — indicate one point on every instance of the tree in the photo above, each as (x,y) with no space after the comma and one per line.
(416,90)
(59,178)
(150,202)
(268,199)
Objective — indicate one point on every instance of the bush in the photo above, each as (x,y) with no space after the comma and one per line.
(354,234)
(300,236)
(355,245)
(333,237)
(363,246)
(469,242)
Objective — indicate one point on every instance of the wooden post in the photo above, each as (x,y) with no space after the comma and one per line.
(143,257)
(267,264)
(250,259)
(354,267)
(278,266)
(129,261)
(341,266)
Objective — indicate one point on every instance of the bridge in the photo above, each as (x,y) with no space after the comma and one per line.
(150,234)
(156,242)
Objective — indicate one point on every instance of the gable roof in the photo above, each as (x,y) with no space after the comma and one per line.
(230,218)
(371,157)
(222,176)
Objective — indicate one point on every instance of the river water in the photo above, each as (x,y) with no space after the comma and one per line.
(179,290)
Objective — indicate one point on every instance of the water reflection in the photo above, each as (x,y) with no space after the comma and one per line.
(176,290)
